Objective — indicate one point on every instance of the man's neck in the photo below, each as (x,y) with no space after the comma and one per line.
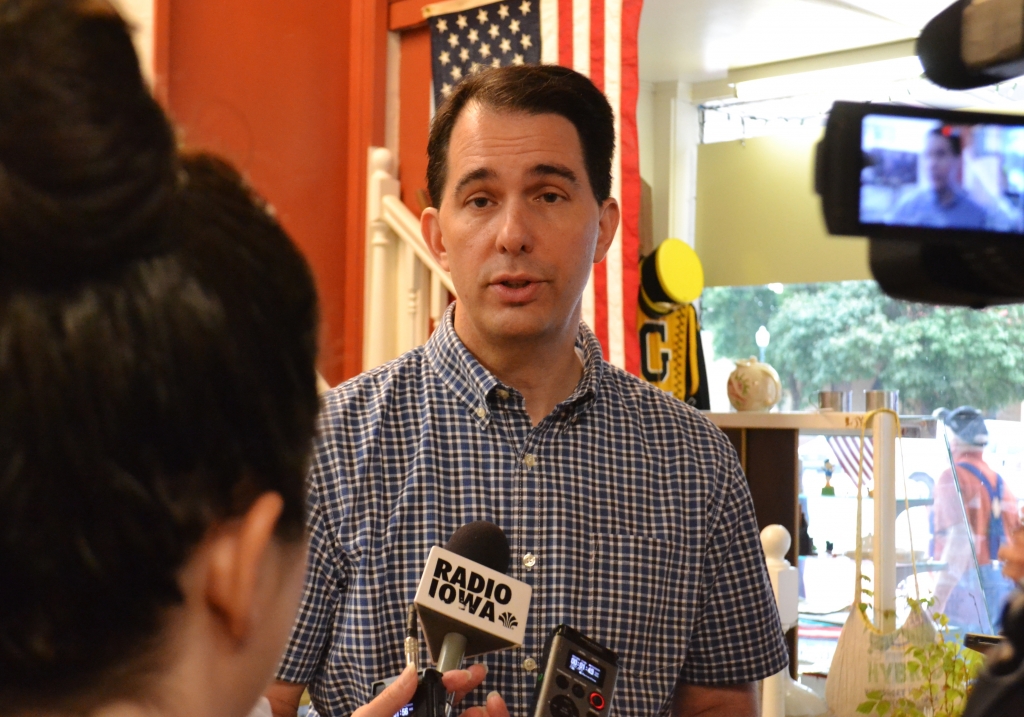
(968,454)
(544,371)
(946,196)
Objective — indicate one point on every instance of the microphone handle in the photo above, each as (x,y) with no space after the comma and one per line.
(453,649)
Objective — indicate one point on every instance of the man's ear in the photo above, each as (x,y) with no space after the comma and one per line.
(238,552)
(430,228)
(607,224)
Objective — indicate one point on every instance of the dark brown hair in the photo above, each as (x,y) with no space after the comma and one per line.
(531,89)
(952,136)
(157,349)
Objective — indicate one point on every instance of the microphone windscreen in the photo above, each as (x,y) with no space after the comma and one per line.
(482,542)
(939,49)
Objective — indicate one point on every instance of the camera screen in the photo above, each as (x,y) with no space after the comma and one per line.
(921,172)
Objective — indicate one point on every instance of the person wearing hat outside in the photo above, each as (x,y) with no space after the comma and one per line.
(990,506)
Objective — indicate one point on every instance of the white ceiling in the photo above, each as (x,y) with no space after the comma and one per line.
(696,40)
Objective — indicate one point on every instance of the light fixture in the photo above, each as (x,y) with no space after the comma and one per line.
(836,79)
(761,338)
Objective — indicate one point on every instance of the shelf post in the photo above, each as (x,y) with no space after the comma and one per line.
(883,546)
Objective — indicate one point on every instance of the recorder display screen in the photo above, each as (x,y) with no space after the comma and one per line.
(585,669)
(920,172)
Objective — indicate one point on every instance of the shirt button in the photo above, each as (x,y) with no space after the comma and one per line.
(502,393)
(530,460)
(481,412)
(529,664)
(529,560)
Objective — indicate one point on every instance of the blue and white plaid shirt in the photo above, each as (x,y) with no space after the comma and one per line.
(632,504)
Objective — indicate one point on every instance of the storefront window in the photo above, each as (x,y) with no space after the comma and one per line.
(850,336)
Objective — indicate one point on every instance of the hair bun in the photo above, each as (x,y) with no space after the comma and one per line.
(87,156)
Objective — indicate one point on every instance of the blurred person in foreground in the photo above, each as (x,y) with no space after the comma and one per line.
(627,510)
(157,396)
(992,516)
(943,203)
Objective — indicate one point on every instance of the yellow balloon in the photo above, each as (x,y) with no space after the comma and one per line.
(680,272)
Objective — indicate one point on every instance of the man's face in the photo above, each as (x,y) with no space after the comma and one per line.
(939,162)
(519,227)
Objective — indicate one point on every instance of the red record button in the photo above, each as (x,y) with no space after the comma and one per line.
(596,701)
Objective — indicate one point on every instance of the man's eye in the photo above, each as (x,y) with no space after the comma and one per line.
(479,202)
(550,197)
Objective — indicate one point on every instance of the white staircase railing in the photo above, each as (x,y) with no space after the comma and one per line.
(406,289)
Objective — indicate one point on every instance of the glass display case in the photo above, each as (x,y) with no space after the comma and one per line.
(802,469)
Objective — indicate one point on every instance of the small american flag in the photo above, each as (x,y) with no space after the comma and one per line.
(496,35)
(847,450)
(597,38)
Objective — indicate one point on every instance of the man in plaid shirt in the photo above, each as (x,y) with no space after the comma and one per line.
(626,510)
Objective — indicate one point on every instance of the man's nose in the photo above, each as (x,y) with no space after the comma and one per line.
(515,235)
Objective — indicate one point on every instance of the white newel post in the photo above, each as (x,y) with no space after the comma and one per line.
(775,541)
(782,695)
(380,294)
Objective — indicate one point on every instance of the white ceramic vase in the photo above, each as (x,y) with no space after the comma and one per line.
(754,386)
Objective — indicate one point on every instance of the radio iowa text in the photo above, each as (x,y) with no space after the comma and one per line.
(471,592)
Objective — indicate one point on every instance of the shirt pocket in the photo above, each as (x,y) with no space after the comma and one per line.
(637,607)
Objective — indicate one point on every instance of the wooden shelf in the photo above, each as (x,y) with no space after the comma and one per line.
(824,423)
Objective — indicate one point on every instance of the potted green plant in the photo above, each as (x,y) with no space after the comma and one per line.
(948,670)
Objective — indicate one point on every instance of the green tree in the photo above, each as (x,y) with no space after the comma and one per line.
(824,334)
(736,313)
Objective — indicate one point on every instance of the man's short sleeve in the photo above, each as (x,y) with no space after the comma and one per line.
(313,626)
(737,637)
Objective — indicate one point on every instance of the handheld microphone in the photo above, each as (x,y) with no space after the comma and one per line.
(466,603)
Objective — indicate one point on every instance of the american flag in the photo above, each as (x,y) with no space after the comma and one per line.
(847,451)
(598,39)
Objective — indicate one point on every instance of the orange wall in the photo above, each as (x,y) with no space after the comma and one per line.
(293,94)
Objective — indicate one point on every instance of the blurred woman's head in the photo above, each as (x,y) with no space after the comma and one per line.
(157,386)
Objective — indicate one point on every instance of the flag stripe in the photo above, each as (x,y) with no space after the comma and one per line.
(550,47)
(565,33)
(597,43)
(613,89)
(581,63)
(629,29)
(581,36)
(847,452)
(597,76)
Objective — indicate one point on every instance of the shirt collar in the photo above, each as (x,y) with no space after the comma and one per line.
(474,385)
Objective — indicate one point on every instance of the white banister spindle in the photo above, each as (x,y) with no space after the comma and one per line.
(379,313)
(438,298)
(405,302)
(782,695)
(423,281)
(406,288)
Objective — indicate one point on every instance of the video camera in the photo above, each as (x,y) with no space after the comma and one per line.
(939,193)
